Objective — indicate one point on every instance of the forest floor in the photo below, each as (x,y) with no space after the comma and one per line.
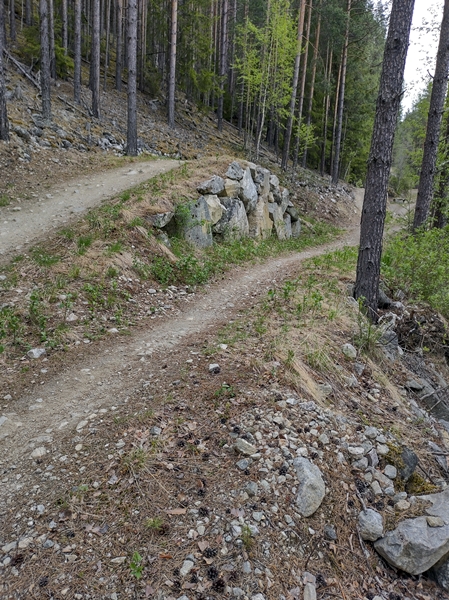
(118,474)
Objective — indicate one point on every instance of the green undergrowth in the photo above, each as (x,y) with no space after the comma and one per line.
(419,266)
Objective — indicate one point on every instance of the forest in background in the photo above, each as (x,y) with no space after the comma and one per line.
(301,77)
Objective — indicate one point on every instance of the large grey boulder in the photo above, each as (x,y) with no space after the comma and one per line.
(235,171)
(277,217)
(248,191)
(439,505)
(260,224)
(234,222)
(413,546)
(371,525)
(214,185)
(311,488)
(288,225)
(262,181)
(196,224)
(293,212)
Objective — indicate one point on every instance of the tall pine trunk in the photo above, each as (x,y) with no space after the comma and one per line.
(51,32)
(77,54)
(312,83)
(303,85)
(291,110)
(223,60)
(439,89)
(45,60)
(64,31)
(12,20)
(131,145)
(379,161)
(119,45)
(95,59)
(4,123)
(28,12)
(172,71)
(341,100)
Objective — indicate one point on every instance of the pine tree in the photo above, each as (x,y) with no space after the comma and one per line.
(379,163)
(172,72)
(131,146)
(95,59)
(45,60)
(439,89)
(4,123)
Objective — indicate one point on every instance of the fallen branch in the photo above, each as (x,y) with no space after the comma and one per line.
(73,106)
(22,69)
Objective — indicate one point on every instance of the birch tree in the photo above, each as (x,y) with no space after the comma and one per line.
(379,162)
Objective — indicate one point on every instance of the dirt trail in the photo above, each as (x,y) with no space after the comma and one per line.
(22,225)
(117,366)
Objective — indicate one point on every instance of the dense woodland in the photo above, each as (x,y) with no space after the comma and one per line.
(299,76)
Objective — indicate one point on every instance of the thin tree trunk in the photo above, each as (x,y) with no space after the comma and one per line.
(64,26)
(95,59)
(303,85)
(12,20)
(334,122)
(223,61)
(326,106)
(77,57)
(379,161)
(4,123)
(291,110)
(45,60)
(119,46)
(51,30)
(131,146)
(439,89)
(312,83)
(172,72)
(341,100)
(28,12)
(106,54)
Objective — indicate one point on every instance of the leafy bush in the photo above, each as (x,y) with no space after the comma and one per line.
(419,265)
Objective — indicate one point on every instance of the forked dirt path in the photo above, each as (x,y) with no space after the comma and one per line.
(24,224)
(111,370)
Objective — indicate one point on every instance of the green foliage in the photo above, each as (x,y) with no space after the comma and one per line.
(10,326)
(43,258)
(419,265)
(135,566)
(30,52)
(4,200)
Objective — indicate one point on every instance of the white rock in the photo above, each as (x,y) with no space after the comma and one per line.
(186,568)
(39,452)
(36,352)
(349,351)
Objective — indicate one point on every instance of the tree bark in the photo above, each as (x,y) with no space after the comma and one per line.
(131,147)
(291,110)
(303,84)
(119,46)
(51,31)
(341,100)
(312,83)
(95,59)
(439,89)
(28,12)
(45,60)
(223,61)
(12,20)
(106,54)
(172,71)
(64,26)
(77,57)
(4,123)
(379,162)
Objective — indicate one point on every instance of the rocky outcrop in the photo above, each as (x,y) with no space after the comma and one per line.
(248,201)
(421,544)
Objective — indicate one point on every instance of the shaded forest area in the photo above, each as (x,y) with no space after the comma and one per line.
(299,77)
